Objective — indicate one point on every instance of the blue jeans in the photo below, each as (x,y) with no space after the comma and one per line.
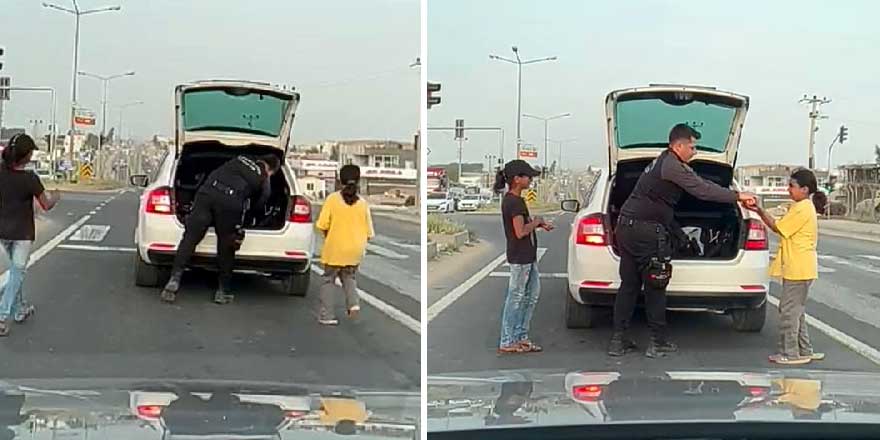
(18,251)
(519,306)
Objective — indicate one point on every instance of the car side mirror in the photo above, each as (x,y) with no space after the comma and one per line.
(571,205)
(139,180)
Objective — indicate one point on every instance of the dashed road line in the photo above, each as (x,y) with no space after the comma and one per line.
(385,252)
(86,247)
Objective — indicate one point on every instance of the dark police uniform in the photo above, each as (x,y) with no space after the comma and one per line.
(644,243)
(220,202)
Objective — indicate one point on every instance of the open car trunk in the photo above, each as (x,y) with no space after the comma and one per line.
(708,230)
(199,159)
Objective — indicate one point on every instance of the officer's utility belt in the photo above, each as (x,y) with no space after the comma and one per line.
(223,188)
(657,270)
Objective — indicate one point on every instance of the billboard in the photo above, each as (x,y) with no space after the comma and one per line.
(528,151)
(84,117)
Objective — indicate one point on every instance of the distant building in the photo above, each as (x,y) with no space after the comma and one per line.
(770,182)
(386,166)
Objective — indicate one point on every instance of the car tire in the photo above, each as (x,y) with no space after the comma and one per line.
(148,275)
(579,315)
(297,284)
(749,320)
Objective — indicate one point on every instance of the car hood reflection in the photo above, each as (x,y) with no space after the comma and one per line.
(201,410)
(556,398)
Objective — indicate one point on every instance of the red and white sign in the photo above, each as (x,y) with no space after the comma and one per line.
(528,152)
(84,117)
(435,172)
(314,165)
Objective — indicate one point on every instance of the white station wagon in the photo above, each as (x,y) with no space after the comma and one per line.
(216,121)
(728,271)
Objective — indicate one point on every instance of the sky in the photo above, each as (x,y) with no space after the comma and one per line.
(349,59)
(773,52)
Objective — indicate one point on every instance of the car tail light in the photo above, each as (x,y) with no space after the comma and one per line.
(591,231)
(149,412)
(292,414)
(301,212)
(587,393)
(757,239)
(758,391)
(589,283)
(159,201)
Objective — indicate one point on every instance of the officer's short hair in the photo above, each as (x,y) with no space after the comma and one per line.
(271,161)
(682,132)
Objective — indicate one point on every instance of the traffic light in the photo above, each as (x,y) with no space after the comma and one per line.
(459,129)
(843,133)
(2,51)
(432,89)
(4,88)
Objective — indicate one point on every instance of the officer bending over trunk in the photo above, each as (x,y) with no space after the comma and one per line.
(643,237)
(220,202)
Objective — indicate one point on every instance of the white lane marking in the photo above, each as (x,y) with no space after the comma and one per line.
(870,257)
(541,252)
(852,264)
(459,291)
(98,208)
(850,342)
(385,252)
(93,212)
(395,314)
(94,233)
(86,247)
(48,246)
(823,269)
(555,275)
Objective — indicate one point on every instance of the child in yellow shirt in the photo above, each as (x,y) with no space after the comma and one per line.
(796,263)
(347,226)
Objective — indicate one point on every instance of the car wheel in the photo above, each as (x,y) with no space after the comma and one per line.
(298,284)
(579,315)
(148,275)
(749,320)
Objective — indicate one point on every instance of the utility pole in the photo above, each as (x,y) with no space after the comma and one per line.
(546,131)
(459,135)
(814,115)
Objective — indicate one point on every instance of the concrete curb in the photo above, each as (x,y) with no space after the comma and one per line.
(432,250)
(398,217)
(446,241)
(841,234)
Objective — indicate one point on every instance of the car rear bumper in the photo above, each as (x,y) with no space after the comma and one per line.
(719,301)
(258,264)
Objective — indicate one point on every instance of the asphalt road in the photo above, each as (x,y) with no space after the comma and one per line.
(463,336)
(93,322)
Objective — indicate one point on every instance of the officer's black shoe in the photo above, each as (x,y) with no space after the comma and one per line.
(221,297)
(620,346)
(659,348)
(169,293)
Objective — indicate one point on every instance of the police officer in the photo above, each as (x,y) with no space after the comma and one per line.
(643,237)
(220,202)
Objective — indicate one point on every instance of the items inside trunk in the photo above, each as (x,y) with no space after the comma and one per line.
(198,161)
(704,230)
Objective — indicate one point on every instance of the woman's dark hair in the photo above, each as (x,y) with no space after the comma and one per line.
(500,181)
(806,179)
(350,177)
(19,148)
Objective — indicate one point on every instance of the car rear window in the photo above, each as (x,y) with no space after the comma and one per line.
(646,122)
(253,113)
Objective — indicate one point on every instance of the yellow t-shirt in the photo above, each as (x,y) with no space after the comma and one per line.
(800,393)
(796,259)
(348,229)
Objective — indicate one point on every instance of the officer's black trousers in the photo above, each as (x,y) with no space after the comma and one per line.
(222,212)
(637,243)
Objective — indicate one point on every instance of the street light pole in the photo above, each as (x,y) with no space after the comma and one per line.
(105,81)
(546,130)
(519,62)
(77,13)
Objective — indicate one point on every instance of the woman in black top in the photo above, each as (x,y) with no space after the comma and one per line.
(522,247)
(18,189)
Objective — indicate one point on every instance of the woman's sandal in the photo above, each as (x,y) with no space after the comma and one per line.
(511,349)
(531,347)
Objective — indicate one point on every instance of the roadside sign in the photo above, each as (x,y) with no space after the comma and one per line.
(530,195)
(528,151)
(86,171)
(84,117)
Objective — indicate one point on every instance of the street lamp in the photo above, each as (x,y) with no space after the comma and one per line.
(76,12)
(121,111)
(546,123)
(519,63)
(105,80)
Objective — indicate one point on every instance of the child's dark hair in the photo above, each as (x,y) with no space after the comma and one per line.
(19,148)
(350,177)
(500,181)
(806,179)
(272,162)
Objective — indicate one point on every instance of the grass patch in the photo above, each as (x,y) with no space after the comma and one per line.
(438,224)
